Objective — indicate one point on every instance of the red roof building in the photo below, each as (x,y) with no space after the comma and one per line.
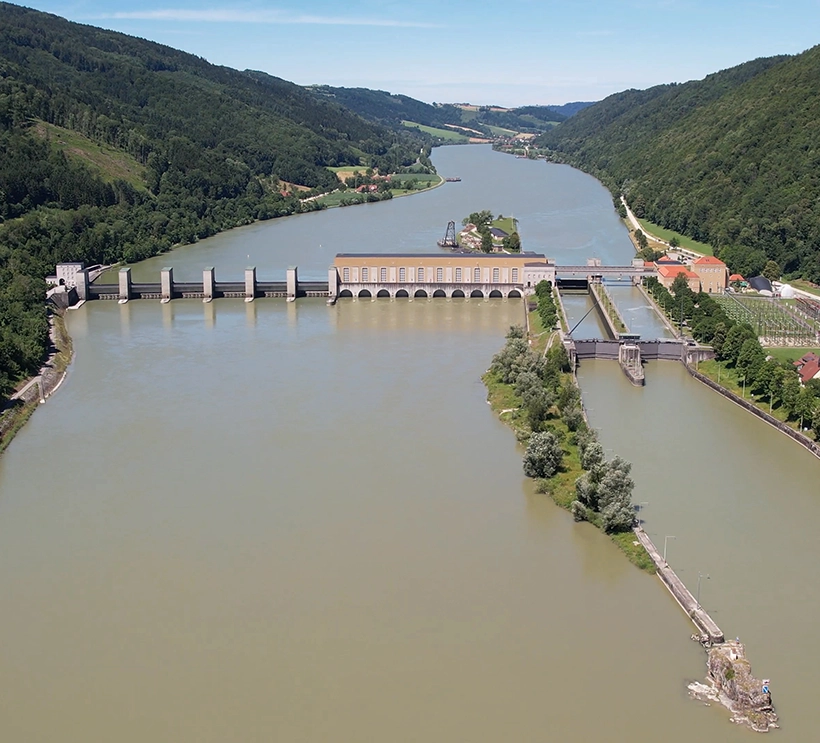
(668,272)
(712,272)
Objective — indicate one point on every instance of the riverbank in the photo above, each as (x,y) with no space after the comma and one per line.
(21,406)
(509,406)
(349,197)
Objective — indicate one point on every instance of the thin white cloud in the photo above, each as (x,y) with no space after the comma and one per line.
(225,15)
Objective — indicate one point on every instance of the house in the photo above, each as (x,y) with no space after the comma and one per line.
(668,272)
(713,274)
(498,233)
(808,367)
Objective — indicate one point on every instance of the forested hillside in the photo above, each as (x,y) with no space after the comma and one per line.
(392,109)
(114,148)
(731,160)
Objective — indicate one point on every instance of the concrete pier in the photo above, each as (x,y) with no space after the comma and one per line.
(166,283)
(680,592)
(250,283)
(607,309)
(83,285)
(292,283)
(332,285)
(124,284)
(208,284)
(629,357)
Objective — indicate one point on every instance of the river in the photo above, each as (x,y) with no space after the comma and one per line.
(296,522)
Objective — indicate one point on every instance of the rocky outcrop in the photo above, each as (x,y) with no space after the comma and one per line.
(730,682)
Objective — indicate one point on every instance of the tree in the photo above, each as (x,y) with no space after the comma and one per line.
(544,455)
(674,242)
(805,405)
(789,393)
(768,379)
(592,456)
(486,242)
(640,238)
(750,358)
(512,243)
(680,286)
(771,271)
(718,338)
(479,219)
(735,338)
(573,417)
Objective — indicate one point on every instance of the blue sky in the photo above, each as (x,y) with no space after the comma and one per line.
(514,52)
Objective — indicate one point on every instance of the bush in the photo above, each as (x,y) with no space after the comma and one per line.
(544,455)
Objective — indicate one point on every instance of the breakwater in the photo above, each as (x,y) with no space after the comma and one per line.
(707,627)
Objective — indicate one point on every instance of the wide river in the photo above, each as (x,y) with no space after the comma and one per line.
(273,522)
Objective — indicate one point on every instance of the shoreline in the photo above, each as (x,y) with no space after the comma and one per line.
(37,389)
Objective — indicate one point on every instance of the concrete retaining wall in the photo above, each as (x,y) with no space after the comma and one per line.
(602,311)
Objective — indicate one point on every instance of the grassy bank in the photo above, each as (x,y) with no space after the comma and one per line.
(446,134)
(561,486)
(650,228)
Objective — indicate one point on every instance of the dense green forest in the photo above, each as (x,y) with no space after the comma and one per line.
(732,160)
(391,109)
(183,149)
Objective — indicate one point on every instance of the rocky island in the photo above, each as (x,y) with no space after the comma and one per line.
(730,682)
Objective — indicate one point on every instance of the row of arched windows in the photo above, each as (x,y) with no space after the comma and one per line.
(418,275)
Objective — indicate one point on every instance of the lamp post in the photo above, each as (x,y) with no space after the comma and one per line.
(665,542)
(697,598)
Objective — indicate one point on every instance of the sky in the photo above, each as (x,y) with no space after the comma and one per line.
(509,52)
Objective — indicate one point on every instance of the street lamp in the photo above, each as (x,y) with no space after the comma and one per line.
(665,542)
(697,598)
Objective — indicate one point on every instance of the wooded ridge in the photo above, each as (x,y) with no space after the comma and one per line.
(732,160)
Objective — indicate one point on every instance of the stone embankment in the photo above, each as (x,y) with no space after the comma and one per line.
(38,389)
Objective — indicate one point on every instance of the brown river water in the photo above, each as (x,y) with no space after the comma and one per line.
(294,522)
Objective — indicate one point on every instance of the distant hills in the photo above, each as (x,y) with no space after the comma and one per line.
(393,109)
(732,160)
